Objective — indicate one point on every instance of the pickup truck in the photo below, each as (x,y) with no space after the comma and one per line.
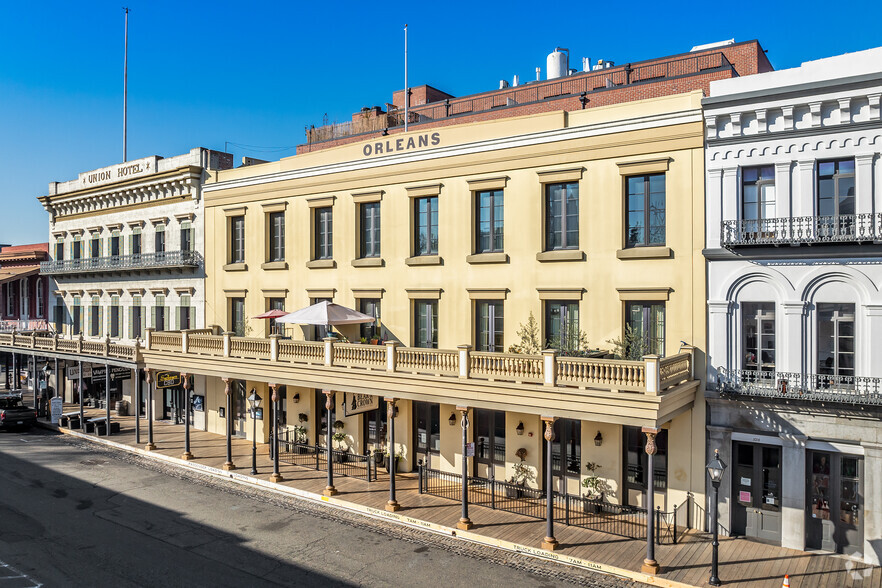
(13,414)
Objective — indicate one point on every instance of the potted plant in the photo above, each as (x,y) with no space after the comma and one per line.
(299,434)
(594,485)
(379,457)
(521,474)
(339,437)
(386,460)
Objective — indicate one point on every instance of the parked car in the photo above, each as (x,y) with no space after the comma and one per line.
(14,414)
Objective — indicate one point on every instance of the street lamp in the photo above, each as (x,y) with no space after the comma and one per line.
(254,402)
(715,469)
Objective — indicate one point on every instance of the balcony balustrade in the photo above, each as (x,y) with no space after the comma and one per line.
(802,230)
(798,386)
(118,263)
(651,376)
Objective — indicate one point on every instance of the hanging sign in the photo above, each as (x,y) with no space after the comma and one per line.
(359,403)
(117,373)
(168,379)
(73,372)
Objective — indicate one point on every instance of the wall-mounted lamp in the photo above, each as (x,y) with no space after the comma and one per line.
(296,398)
(520,429)
(598,439)
(452,419)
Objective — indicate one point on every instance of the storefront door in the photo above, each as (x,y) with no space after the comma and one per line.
(566,456)
(240,408)
(427,430)
(835,509)
(756,491)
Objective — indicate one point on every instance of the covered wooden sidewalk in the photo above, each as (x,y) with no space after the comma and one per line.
(743,563)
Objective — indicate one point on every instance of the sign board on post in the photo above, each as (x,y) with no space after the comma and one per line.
(470,450)
(168,379)
(358,403)
(56,407)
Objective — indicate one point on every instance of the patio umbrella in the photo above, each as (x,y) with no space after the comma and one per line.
(325,313)
(271,314)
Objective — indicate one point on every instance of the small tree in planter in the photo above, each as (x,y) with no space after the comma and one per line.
(594,485)
(529,336)
(521,474)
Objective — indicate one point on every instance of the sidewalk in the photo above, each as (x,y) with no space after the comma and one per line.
(743,563)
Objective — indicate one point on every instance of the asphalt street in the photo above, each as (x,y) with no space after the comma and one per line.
(76,514)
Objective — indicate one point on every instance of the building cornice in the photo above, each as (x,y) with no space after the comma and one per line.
(510,142)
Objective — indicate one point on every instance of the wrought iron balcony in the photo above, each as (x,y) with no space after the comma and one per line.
(802,230)
(797,386)
(118,263)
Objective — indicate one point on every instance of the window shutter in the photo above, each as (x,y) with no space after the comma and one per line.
(100,322)
(130,327)
(143,322)
(193,324)
(153,315)
(165,315)
(177,326)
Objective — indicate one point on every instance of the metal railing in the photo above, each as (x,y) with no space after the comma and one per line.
(577,511)
(843,228)
(799,386)
(568,87)
(115,263)
(315,457)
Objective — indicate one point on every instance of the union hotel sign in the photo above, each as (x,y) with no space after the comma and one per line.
(119,172)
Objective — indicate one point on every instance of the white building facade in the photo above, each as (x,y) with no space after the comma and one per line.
(794,253)
(126,244)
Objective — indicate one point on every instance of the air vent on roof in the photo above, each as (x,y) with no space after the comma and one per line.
(712,45)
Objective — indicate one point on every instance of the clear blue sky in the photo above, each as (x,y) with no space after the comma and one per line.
(256,73)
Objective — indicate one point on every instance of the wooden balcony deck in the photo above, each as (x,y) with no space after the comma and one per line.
(744,563)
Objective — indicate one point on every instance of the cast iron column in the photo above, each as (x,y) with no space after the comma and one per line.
(80,394)
(650,566)
(34,382)
(107,396)
(150,444)
(714,577)
(550,542)
(465,523)
(276,476)
(329,405)
(185,378)
(229,465)
(16,381)
(392,504)
(136,376)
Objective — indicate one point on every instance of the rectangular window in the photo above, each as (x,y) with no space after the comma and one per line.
(10,298)
(490,436)
(562,216)
(59,316)
(186,236)
(274,327)
(370,306)
(237,239)
(95,325)
(758,193)
(375,424)
(636,464)
(77,322)
(136,242)
(426,226)
(758,320)
(114,317)
(369,239)
(77,252)
(426,323)
(489,326)
(324,233)
(184,315)
(40,297)
(566,449)
(137,318)
(276,236)
(647,322)
(561,324)
(59,249)
(646,211)
(114,244)
(237,316)
(159,239)
(489,206)
(96,246)
(836,341)
(159,313)
(836,187)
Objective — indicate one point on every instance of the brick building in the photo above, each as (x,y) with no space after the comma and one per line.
(23,293)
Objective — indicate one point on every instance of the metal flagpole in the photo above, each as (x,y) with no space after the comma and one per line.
(406,89)
(126,91)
